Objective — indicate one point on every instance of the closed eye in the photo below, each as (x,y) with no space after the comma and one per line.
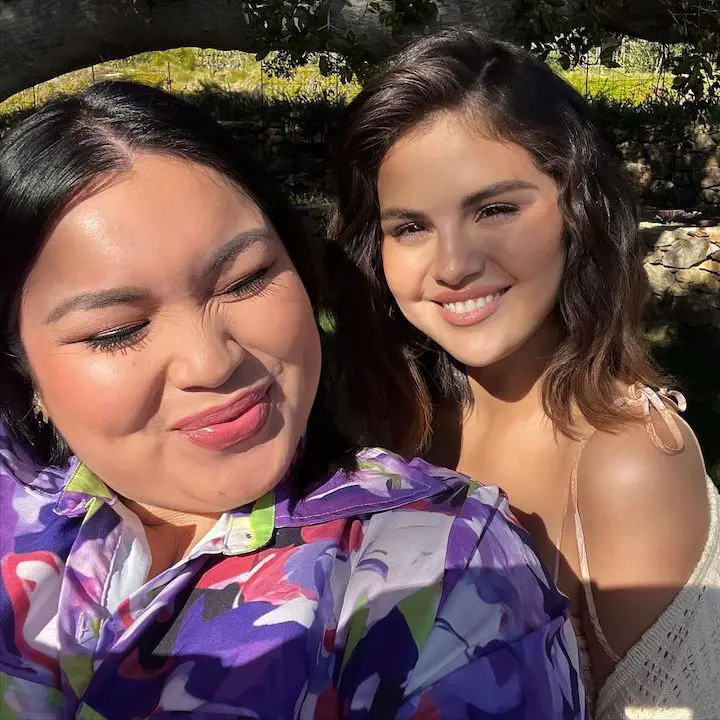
(250,285)
(119,339)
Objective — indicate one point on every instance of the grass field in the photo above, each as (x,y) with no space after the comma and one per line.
(187,70)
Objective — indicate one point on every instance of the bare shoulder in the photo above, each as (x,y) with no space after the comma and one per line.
(625,478)
(645,517)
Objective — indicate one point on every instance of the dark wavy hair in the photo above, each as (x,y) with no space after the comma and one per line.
(68,148)
(514,97)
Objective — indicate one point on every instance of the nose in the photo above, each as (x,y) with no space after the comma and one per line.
(206,357)
(457,257)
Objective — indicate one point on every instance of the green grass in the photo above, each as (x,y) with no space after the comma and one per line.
(186,70)
(618,85)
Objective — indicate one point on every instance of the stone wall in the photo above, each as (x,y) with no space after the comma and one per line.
(683,266)
(673,166)
(674,162)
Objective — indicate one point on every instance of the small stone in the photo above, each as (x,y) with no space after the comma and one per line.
(630,149)
(711,177)
(699,232)
(702,139)
(660,278)
(697,280)
(711,266)
(655,257)
(711,196)
(640,173)
(666,239)
(680,290)
(686,252)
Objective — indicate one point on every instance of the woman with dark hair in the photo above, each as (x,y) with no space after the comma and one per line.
(183,531)
(496,273)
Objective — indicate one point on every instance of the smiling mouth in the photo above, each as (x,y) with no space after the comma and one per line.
(471,306)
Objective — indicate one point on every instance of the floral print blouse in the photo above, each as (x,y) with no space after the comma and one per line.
(399,590)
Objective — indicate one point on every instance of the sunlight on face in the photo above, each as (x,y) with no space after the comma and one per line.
(472,242)
(160,297)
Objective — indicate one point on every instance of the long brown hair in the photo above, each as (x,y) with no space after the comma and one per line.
(392,374)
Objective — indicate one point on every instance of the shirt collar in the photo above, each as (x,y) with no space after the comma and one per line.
(83,491)
(243,530)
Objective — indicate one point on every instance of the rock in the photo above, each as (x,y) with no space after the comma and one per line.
(711,196)
(666,239)
(711,177)
(662,186)
(630,150)
(692,161)
(699,232)
(711,266)
(686,252)
(655,257)
(640,173)
(660,278)
(702,140)
(697,279)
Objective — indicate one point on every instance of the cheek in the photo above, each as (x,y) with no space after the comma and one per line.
(535,253)
(282,327)
(404,271)
(84,390)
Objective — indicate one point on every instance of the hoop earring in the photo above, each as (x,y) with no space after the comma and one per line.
(39,408)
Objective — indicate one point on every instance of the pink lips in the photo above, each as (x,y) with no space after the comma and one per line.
(472,317)
(224,426)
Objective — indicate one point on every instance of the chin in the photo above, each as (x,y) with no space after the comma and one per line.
(477,353)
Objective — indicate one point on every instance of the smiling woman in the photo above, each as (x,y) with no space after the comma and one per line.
(495,271)
(184,532)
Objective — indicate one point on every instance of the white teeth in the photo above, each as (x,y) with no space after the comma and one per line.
(460,308)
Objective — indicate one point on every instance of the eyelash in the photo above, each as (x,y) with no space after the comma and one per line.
(120,340)
(498,210)
(405,229)
(489,212)
(250,285)
(131,338)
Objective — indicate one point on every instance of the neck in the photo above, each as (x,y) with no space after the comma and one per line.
(513,383)
(171,534)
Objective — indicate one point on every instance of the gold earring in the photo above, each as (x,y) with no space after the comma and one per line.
(39,408)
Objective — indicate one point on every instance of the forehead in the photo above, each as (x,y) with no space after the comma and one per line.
(160,216)
(451,154)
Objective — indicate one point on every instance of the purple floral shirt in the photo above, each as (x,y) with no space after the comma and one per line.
(397,591)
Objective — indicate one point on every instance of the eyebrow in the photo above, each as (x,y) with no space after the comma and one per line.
(486,193)
(99,299)
(96,300)
(231,249)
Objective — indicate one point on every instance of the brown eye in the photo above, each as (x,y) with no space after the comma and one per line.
(407,229)
(498,211)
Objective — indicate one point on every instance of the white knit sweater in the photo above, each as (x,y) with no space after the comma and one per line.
(673,671)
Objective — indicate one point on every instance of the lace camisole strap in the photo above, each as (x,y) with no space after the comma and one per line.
(646,399)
